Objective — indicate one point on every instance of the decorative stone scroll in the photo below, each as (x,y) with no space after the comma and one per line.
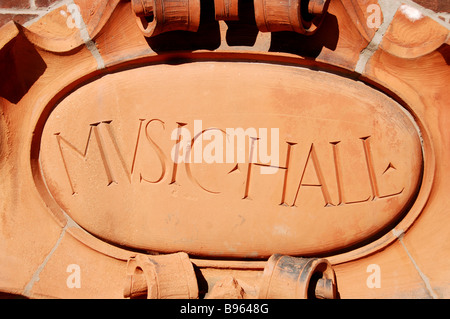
(300,16)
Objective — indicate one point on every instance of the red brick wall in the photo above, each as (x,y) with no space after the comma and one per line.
(23,11)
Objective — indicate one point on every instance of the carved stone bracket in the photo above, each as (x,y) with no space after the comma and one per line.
(158,16)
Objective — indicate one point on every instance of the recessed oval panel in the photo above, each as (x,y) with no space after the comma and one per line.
(231,159)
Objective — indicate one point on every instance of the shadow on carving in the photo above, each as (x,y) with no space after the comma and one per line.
(244,31)
(444,50)
(308,46)
(20,67)
(206,38)
(202,283)
(5,295)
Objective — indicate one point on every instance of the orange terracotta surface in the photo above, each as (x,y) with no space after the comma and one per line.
(92,117)
(142,199)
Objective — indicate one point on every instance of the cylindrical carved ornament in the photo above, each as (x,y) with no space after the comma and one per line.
(288,277)
(161,277)
(158,16)
(226,9)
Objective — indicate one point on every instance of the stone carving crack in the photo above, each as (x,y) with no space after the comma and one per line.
(90,44)
(389,8)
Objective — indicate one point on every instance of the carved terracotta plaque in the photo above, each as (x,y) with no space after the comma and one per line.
(225,149)
(328,170)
